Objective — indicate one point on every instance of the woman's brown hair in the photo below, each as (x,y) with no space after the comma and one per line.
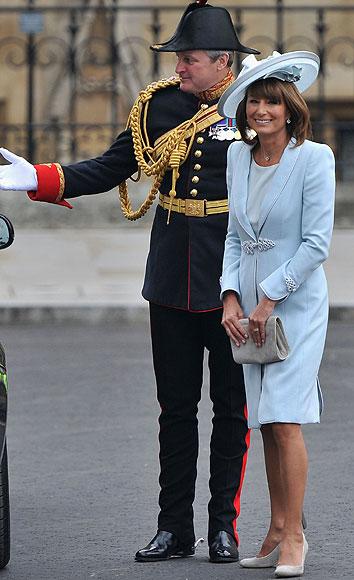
(278,91)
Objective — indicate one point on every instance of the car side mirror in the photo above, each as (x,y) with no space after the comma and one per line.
(7,233)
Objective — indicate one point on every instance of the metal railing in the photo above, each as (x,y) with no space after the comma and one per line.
(75,63)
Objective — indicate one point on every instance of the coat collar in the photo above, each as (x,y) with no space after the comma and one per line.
(215,92)
(279,181)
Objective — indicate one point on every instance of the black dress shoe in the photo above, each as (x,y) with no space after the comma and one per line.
(164,546)
(223,548)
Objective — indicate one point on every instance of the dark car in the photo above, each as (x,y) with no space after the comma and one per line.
(6,238)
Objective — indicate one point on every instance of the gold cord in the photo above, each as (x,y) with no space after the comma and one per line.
(172,156)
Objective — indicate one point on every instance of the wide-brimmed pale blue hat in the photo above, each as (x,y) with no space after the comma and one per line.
(300,67)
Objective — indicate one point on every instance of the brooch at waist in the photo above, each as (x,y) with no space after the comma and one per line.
(262,245)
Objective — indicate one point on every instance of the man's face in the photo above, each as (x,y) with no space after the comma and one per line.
(197,71)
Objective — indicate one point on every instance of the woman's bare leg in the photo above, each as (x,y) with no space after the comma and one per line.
(276,492)
(293,465)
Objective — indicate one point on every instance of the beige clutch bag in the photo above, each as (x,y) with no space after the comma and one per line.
(275,348)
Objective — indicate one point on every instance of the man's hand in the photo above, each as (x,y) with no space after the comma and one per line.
(258,319)
(20,175)
(231,316)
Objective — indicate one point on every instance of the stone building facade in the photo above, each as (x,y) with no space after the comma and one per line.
(89,65)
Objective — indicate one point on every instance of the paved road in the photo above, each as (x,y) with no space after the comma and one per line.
(83,460)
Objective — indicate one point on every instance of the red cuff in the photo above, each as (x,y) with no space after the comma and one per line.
(51,184)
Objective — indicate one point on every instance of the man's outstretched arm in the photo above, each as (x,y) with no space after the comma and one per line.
(53,182)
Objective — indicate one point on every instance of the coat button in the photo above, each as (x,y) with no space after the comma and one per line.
(195,179)
(200,140)
(197,167)
(193,192)
(197,153)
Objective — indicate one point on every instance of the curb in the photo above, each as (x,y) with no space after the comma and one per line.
(83,314)
(118,314)
(342,313)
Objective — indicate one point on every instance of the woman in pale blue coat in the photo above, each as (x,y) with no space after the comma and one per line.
(281,197)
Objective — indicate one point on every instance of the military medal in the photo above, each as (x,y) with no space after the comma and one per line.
(224,130)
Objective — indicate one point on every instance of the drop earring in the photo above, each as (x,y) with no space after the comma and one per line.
(288,121)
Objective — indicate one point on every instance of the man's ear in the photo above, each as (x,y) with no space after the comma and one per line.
(223,61)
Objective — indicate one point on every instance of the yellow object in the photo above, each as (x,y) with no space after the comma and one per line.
(169,151)
(205,120)
(193,207)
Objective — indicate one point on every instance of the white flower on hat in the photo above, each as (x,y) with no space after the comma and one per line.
(290,73)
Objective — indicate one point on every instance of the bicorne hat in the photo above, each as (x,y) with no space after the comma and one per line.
(204,27)
(300,67)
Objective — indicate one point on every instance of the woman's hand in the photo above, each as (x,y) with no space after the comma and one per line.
(258,319)
(231,316)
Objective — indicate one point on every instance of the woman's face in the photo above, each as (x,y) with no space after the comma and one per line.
(266,116)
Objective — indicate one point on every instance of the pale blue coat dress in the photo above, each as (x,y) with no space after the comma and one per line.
(283,261)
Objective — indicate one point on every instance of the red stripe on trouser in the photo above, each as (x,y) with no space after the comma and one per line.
(189,277)
(237,500)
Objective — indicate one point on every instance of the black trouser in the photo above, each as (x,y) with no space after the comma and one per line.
(178,340)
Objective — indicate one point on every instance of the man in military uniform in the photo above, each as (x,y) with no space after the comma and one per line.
(176,135)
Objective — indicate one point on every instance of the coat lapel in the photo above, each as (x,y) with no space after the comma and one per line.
(243,169)
(279,181)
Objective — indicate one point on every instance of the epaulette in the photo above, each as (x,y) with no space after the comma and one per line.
(163,83)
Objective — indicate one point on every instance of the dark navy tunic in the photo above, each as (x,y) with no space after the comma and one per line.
(185,258)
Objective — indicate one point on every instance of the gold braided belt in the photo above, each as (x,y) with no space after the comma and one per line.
(193,207)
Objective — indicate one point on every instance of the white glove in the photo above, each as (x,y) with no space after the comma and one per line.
(20,175)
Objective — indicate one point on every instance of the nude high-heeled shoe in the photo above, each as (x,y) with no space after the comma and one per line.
(285,571)
(268,561)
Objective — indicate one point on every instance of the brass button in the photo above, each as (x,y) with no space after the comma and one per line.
(204,106)
(193,192)
(197,167)
(195,179)
(198,153)
(200,140)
